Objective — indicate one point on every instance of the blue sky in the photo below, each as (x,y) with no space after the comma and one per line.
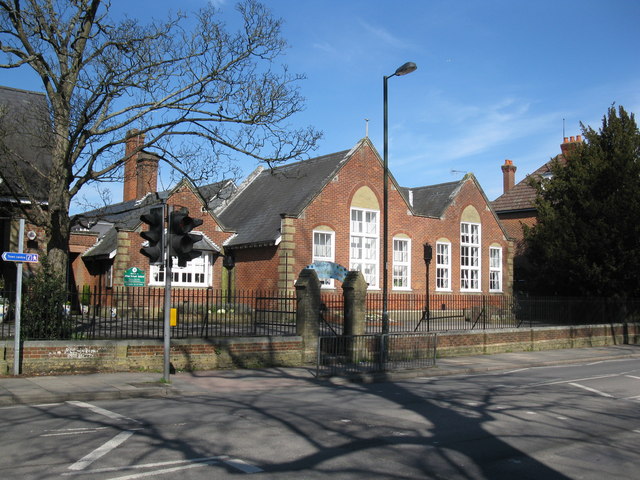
(495,78)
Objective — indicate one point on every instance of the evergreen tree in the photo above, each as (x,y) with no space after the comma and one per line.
(587,239)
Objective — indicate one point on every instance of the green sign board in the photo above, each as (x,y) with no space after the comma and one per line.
(134,277)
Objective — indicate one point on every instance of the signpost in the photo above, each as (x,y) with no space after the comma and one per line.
(20,257)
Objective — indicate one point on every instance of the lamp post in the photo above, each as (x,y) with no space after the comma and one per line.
(403,70)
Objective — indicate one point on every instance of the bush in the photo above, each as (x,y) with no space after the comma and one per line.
(45,310)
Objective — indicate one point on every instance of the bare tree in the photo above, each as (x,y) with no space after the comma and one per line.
(196,90)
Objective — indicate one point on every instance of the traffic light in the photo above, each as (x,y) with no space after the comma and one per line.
(181,240)
(155,220)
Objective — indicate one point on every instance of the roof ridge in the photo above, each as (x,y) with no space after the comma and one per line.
(22,90)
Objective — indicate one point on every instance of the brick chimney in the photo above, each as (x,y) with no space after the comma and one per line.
(570,143)
(140,168)
(146,174)
(508,175)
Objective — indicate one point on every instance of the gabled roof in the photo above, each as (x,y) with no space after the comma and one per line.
(106,221)
(269,194)
(432,200)
(522,197)
(24,143)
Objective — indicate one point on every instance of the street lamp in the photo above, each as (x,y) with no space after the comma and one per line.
(403,70)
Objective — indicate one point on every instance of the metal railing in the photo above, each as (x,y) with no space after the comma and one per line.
(138,313)
(351,355)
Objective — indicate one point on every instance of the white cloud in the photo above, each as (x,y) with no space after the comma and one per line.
(385,36)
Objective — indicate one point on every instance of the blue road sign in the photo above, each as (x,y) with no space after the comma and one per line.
(20,257)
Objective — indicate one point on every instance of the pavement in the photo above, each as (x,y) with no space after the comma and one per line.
(26,390)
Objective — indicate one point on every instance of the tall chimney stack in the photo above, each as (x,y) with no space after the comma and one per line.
(133,146)
(570,143)
(508,175)
(140,168)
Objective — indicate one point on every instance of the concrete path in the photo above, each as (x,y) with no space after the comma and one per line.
(110,386)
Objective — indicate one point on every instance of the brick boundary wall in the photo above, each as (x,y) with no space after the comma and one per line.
(452,344)
(51,357)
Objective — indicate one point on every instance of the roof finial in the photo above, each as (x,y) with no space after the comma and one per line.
(366,128)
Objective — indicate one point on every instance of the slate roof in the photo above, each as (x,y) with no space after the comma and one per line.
(432,200)
(24,143)
(522,196)
(254,213)
(106,221)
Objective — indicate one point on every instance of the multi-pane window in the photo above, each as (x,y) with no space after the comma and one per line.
(323,251)
(364,244)
(401,263)
(197,272)
(495,269)
(443,266)
(469,256)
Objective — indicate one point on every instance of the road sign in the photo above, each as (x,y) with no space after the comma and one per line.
(134,277)
(20,257)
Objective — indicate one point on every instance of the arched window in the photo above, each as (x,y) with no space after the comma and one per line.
(470,243)
(365,235)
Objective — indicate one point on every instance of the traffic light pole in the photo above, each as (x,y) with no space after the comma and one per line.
(167,296)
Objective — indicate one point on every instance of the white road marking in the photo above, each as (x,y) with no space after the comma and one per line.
(559,382)
(102,411)
(242,466)
(72,431)
(592,390)
(633,376)
(205,460)
(102,450)
(235,463)
(513,371)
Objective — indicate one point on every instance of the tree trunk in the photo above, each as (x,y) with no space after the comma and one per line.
(59,201)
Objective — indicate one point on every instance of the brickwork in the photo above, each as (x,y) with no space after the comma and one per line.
(109,356)
(93,356)
(331,208)
(452,344)
(129,242)
(360,180)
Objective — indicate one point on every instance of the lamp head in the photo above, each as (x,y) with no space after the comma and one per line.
(406,69)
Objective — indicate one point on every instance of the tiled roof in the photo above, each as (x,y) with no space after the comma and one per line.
(522,196)
(24,143)
(106,221)
(432,200)
(256,210)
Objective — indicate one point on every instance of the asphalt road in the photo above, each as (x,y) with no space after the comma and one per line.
(565,422)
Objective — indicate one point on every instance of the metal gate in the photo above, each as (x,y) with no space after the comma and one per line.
(345,355)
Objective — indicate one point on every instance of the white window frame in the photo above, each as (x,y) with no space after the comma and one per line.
(401,264)
(197,273)
(495,269)
(443,266)
(470,257)
(319,257)
(364,244)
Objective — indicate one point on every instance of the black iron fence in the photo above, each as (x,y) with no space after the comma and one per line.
(409,312)
(138,313)
(362,354)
